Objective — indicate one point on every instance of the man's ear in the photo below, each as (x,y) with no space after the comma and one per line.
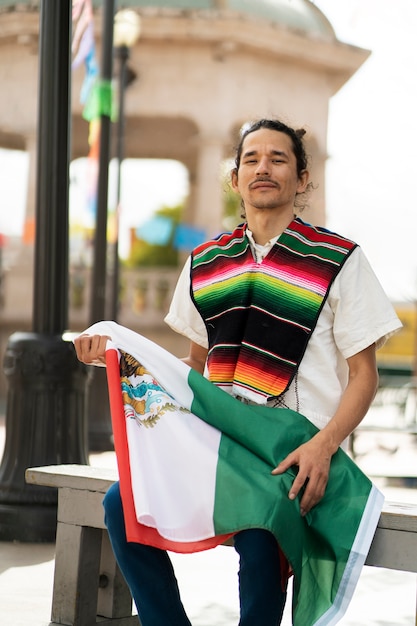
(233,179)
(303,181)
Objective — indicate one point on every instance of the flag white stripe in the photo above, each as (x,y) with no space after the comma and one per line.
(357,557)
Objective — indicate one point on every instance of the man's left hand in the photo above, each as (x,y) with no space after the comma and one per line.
(313,462)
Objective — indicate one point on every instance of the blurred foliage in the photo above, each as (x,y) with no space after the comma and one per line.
(144,254)
(231,207)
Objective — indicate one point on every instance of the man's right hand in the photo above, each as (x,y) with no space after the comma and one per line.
(91,349)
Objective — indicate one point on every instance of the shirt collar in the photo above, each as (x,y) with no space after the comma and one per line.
(260,251)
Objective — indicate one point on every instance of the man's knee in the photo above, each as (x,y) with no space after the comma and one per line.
(256,544)
(112,504)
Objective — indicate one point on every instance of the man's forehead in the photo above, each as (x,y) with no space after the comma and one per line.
(265,139)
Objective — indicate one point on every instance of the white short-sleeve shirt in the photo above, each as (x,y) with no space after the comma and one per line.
(356,314)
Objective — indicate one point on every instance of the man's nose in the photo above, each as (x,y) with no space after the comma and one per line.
(263,166)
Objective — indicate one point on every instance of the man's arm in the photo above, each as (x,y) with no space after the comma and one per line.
(313,458)
(196,357)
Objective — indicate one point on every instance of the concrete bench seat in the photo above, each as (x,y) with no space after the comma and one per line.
(88,586)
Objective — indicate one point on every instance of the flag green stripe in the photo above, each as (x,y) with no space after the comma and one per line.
(317,546)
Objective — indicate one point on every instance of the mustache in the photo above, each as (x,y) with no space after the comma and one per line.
(263,179)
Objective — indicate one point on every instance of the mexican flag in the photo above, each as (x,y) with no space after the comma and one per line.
(195,467)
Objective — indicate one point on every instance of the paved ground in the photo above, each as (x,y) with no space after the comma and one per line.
(207,580)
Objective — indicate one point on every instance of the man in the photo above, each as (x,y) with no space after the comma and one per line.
(277,313)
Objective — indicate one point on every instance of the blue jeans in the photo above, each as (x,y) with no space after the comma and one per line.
(151,579)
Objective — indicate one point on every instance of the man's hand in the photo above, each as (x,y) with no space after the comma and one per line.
(313,462)
(91,348)
(313,458)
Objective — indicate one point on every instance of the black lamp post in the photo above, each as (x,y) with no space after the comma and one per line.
(100,436)
(125,25)
(99,273)
(45,413)
(126,33)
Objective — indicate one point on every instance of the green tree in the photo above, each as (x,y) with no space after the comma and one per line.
(144,254)
(231,206)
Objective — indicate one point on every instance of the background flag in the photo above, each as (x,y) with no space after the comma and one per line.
(156,231)
(188,237)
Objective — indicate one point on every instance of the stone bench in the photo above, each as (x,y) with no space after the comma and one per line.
(88,586)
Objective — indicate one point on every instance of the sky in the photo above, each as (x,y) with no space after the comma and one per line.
(372,139)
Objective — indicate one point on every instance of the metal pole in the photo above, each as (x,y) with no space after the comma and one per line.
(50,310)
(99,275)
(45,413)
(123,56)
(100,430)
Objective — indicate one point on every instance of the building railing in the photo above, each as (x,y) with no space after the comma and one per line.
(145,295)
(144,298)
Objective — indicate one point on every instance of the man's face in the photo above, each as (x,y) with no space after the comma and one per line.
(267,177)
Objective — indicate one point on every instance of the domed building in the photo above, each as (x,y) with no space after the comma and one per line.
(204,67)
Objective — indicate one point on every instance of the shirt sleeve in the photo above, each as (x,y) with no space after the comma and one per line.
(363,314)
(183,316)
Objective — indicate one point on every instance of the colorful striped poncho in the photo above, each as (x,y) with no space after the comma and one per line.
(260,316)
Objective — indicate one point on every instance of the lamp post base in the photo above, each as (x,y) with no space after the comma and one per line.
(45,425)
(28,523)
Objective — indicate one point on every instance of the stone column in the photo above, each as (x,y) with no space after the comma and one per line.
(206,191)
(19,279)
